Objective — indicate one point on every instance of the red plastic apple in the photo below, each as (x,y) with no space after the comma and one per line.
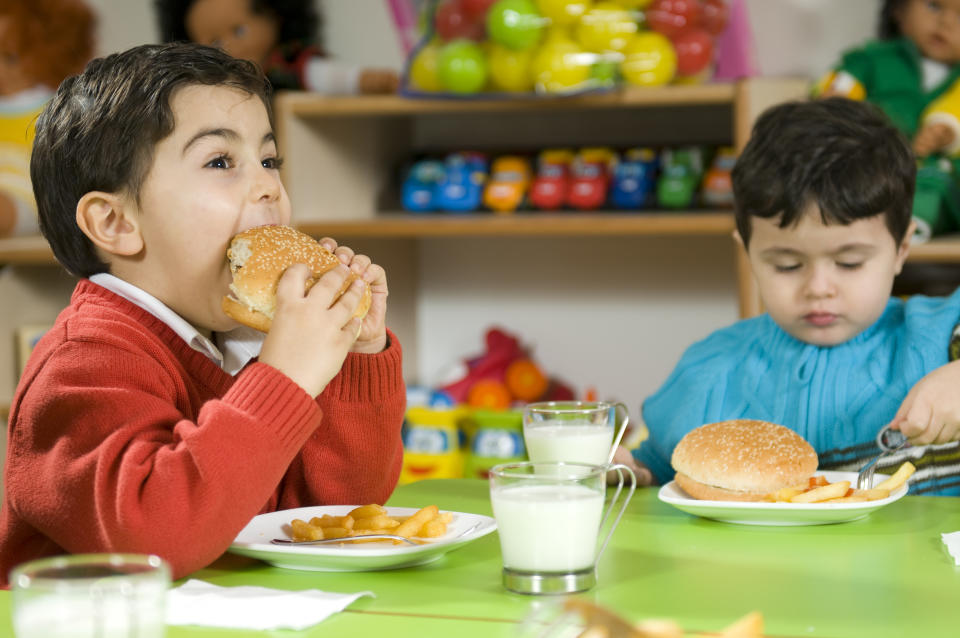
(452,21)
(476,9)
(714,16)
(671,17)
(694,48)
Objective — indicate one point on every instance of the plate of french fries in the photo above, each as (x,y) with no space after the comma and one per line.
(434,533)
(828,497)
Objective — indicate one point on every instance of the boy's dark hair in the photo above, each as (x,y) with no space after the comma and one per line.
(889,22)
(298,19)
(842,155)
(99,132)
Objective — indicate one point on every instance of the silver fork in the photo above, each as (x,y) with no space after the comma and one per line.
(890,441)
(344,539)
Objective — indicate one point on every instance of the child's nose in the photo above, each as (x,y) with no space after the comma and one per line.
(266,186)
(820,283)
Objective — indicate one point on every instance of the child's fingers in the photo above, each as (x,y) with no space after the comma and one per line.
(293,282)
(344,253)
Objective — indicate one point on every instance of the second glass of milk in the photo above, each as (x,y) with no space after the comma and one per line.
(573,431)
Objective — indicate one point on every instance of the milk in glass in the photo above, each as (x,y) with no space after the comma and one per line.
(77,615)
(548,528)
(567,442)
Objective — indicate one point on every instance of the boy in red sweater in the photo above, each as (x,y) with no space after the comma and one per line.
(146,420)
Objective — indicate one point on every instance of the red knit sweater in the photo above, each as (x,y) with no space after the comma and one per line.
(122,438)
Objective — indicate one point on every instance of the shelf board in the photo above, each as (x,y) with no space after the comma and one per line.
(399,225)
(306,104)
(34,249)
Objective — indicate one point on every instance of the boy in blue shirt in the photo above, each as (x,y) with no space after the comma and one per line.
(823,196)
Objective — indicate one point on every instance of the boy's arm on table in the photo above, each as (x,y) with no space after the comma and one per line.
(117,466)
(354,457)
(930,413)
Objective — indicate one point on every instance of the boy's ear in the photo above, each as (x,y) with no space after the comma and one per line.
(737,238)
(904,248)
(103,218)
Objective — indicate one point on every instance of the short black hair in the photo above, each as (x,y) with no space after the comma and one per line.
(298,19)
(889,26)
(100,130)
(843,155)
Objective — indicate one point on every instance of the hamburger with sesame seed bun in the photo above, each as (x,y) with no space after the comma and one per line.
(259,256)
(741,460)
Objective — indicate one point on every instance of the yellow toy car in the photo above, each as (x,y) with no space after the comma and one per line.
(510,178)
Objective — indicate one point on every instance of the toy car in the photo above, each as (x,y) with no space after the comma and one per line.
(633,179)
(552,183)
(680,172)
(417,192)
(591,178)
(461,187)
(508,183)
(717,188)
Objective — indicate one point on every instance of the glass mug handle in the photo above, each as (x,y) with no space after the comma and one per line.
(618,431)
(624,475)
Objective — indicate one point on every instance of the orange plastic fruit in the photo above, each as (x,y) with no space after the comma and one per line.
(489,394)
(525,380)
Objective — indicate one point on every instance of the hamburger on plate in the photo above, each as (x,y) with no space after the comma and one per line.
(741,460)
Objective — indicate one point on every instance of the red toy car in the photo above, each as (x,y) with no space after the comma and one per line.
(552,183)
(591,178)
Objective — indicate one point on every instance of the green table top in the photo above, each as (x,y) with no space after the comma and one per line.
(886,575)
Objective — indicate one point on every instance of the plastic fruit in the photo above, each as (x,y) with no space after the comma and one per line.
(463,67)
(559,66)
(515,24)
(525,380)
(490,394)
(694,49)
(452,22)
(634,4)
(476,9)
(509,69)
(670,17)
(563,12)
(606,27)
(649,60)
(714,16)
(425,69)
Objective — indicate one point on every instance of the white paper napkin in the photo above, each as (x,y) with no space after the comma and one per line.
(199,603)
(952,541)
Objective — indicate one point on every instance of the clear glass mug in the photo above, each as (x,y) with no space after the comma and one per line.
(549,519)
(574,431)
(90,596)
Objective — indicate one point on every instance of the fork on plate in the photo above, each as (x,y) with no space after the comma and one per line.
(890,441)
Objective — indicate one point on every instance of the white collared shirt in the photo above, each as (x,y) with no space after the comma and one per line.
(237,347)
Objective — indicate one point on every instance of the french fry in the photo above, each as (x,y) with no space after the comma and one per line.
(817,494)
(749,626)
(335,532)
(785,494)
(853,498)
(327,520)
(413,524)
(303,531)
(381,521)
(366,511)
(875,493)
(433,529)
(899,477)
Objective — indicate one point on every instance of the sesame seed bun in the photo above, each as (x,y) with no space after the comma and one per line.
(259,256)
(741,460)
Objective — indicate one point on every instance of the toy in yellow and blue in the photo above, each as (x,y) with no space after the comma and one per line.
(496,436)
(431,443)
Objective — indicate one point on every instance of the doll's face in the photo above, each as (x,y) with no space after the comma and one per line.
(934,26)
(233,26)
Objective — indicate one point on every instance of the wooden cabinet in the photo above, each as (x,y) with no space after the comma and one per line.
(342,171)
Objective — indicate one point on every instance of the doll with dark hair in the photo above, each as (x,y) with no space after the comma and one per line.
(911,73)
(41,43)
(279,35)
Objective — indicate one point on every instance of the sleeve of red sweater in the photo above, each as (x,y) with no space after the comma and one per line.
(354,457)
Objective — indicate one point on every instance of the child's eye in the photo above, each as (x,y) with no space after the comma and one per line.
(272,163)
(786,267)
(849,265)
(222,161)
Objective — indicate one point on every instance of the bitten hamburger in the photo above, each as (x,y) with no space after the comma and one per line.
(741,460)
(259,256)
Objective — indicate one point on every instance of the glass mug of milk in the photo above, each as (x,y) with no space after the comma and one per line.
(549,519)
(573,431)
(90,596)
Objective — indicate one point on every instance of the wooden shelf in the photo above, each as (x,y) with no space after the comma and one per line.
(313,106)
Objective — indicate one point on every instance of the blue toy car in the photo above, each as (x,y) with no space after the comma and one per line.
(417,193)
(461,187)
(634,177)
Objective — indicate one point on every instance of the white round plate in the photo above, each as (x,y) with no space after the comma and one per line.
(254,541)
(755,513)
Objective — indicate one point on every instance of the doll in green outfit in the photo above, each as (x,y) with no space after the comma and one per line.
(911,73)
